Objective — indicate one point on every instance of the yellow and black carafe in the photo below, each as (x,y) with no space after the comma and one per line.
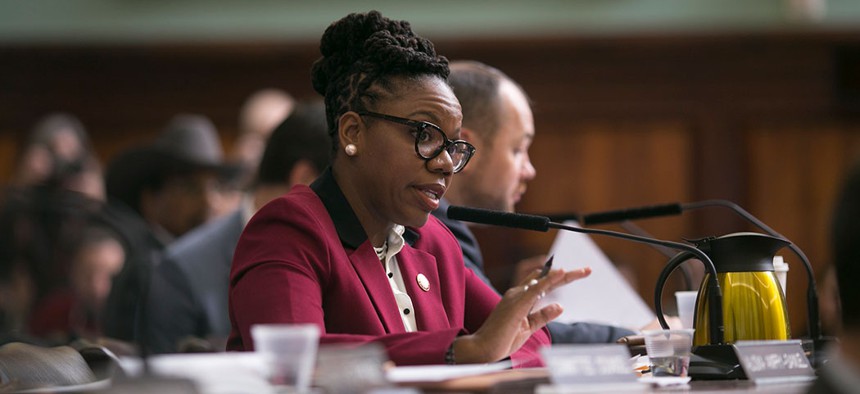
(753,302)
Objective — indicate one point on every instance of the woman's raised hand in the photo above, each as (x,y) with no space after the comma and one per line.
(513,320)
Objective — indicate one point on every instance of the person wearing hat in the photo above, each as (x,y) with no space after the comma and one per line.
(172,183)
(190,285)
(157,193)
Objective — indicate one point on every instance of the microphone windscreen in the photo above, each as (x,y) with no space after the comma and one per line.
(498,218)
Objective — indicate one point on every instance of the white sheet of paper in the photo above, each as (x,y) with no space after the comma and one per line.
(212,373)
(605,296)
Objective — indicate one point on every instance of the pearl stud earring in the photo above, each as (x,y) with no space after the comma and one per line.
(350,150)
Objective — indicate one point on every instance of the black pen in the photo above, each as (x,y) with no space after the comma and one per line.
(546,267)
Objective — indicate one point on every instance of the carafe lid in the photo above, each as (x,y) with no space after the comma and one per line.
(742,252)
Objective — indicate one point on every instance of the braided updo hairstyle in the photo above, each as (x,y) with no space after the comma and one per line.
(361,55)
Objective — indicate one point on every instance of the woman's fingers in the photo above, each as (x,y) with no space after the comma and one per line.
(528,266)
(580,273)
(513,319)
(528,278)
(556,278)
(541,317)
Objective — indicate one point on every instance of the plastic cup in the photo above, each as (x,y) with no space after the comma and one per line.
(289,351)
(686,301)
(669,351)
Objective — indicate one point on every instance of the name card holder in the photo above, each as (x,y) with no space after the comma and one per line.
(758,361)
(604,366)
(774,361)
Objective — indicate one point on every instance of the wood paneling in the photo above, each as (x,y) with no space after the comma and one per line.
(763,119)
(797,168)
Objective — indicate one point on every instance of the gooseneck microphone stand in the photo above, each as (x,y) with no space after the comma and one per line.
(542,223)
(715,304)
(812,315)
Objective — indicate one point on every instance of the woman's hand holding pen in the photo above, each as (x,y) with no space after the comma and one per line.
(513,320)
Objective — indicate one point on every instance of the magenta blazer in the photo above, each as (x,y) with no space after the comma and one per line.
(304,258)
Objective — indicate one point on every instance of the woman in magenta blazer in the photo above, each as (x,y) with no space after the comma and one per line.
(357,253)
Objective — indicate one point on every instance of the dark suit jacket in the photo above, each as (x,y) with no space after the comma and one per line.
(124,309)
(561,332)
(304,258)
(188,294)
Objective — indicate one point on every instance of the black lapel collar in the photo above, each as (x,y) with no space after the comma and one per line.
(349,229)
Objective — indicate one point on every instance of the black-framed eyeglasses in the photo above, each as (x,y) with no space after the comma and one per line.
(430,140)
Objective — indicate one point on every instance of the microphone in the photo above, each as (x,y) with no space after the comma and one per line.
(634,229)
(499,218)
(813,319)
(542,223)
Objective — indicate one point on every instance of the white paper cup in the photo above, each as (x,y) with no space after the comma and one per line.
(686,301)
(669,351)
(289,351)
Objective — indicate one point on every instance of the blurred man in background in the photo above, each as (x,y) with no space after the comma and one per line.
(173,183)
(58,153)
(261,112)
(55,195)
(498,121)
(188,297)
(842,372)
(159,192)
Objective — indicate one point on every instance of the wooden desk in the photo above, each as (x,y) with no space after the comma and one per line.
(527,381)
(507,381)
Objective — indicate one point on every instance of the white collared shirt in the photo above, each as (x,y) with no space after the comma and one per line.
(395,279)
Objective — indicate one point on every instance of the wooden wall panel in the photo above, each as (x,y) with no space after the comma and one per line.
(598,166)
(125,95)
(797,171)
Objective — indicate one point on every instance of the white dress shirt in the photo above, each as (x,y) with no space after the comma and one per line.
(394,244)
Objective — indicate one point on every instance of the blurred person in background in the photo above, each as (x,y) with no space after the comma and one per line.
(189,289)
(828,301)
(74,312)
(156,193)
(58,153)
(172,183)
(56,192)
(261,112)
(498,120)
(841,374)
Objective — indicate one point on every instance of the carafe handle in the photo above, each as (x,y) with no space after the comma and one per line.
(673,263)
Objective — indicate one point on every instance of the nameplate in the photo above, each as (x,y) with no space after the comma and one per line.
(774,361)
(342,368)
(589,364)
